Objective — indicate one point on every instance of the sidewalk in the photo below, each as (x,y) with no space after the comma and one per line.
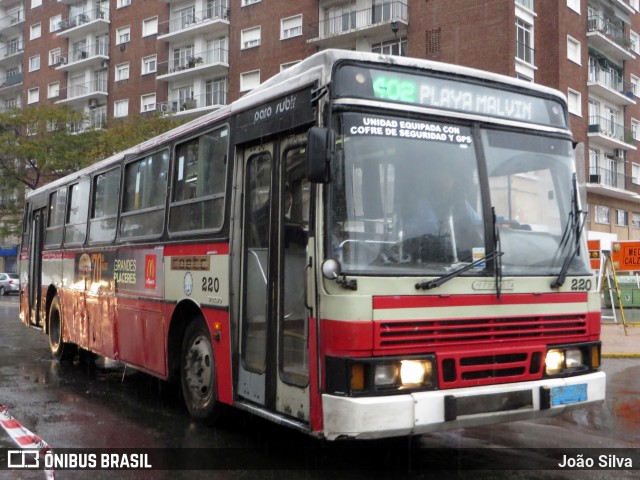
(615,344)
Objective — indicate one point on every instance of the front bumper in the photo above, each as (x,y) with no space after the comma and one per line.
(416,413)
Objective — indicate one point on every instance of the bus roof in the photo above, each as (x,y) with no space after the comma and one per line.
(315,69)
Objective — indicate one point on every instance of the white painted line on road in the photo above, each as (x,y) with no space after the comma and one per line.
(23,437)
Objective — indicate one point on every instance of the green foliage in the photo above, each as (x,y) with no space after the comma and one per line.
(40,144)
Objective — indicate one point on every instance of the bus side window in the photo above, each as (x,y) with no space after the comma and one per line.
(76,223)
(55,222)
(106,188)
(145,191)
(199,183)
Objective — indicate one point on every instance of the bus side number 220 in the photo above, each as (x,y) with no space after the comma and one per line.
(580,284)
(210,284)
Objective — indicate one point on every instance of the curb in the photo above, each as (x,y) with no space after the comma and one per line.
(620,355)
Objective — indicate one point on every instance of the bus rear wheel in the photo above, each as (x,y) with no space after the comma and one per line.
(60,350)
(198,372)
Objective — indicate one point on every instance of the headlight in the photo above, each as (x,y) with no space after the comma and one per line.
(554,362)
(380,376)
(572,359)
(415,372)
(386,375)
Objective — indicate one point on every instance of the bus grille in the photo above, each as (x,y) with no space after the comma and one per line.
(427,333)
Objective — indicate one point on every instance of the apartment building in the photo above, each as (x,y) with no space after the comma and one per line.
(114,58)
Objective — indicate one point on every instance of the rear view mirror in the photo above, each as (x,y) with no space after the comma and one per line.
(320,150)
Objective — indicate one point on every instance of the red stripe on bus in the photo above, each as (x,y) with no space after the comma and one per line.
(432,301)
(197,249)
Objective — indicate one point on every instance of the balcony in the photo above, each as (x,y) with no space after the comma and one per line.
(78,95)
(12,104)
(609,85)
(609,37)
(197,104)
(610,183)
(607,133)
(94,21)
(213,63)
(213,21)
(12,24)
(373,22)
(11,52)
(11,82)
(88,56)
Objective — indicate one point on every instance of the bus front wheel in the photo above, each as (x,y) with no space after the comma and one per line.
(198,372)
(60,350)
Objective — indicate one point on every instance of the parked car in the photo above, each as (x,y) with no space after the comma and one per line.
(9,283)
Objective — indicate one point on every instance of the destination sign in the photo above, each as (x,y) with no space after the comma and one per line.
(447,94)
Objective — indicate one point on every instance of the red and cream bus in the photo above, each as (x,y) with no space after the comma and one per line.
(363,246)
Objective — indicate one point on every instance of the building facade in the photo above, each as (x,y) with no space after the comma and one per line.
(115,58)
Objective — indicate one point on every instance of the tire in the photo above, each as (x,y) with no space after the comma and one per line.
(3,292)
(61,351)
(198,373)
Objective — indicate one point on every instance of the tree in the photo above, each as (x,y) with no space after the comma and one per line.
(43,143)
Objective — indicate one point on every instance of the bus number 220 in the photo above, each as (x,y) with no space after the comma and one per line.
(580,284)
(210,284)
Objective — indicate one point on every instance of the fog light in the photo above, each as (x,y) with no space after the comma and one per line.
(573,358)
(386,375)
(554,362)
(415,372)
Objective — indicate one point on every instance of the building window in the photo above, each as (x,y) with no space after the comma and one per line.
(123,3)
(291,27)
(121,108)
(34,63)
(36,3)
(33,95)
(635,128)
(284,66)
(574,5)
(574,50)
(249,2)
(635,85)
(149,64)
(122,72)
(635,173)
(148,102)
(250,38)
(54,56)
(35,31)
(150,26)
(55,23)
(249,80)
(622,218)
(524,41)
(391,47)
(123,35)
(53,90)
(574,100)
(634,40)
(602,214)
(526,4)
(635,220)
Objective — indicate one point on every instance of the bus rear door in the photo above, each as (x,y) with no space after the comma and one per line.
(36,242)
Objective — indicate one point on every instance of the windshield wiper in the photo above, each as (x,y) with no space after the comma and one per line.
(574,227)
(456,273)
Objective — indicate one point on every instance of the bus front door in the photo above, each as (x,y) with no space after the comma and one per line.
(274,333)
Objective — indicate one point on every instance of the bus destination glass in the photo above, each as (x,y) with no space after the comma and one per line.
(448,94)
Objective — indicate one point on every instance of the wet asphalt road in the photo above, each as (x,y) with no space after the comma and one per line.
(102,405)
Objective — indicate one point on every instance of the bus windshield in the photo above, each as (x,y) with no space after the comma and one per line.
(406,198)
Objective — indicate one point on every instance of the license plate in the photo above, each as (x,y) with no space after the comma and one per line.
(568,394)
